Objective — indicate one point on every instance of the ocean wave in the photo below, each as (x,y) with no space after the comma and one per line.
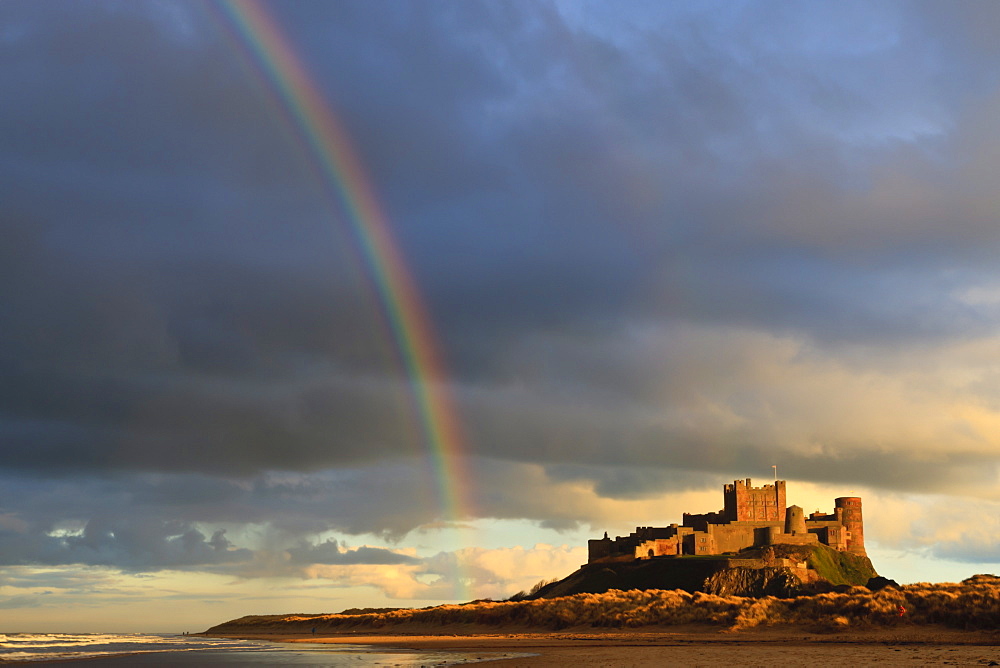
(37,646)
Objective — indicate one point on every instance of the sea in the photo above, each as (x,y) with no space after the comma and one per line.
(124,650)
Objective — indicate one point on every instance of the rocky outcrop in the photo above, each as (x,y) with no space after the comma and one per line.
(754,582)
(778,570)
(879,582)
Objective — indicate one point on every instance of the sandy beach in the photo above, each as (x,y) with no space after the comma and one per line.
(914,645)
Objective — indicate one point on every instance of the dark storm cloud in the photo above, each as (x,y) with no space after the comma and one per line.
(691,240)
(118,97)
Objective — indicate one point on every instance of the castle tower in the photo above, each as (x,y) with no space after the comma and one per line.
(852,520)
(745,503)
(795,521)
(599,548)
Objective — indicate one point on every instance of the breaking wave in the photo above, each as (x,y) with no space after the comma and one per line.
(48,646)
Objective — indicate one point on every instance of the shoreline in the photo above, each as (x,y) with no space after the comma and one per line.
(279,649)
(903,645)
(689,645)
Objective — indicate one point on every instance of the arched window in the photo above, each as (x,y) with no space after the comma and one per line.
(651,552)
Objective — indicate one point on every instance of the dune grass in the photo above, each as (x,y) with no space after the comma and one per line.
(971,604)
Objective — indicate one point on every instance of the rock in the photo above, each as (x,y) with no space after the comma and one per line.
(755,582)
(775,570)
(878,582)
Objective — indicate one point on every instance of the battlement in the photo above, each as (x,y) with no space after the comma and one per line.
(751,517)
(747,484)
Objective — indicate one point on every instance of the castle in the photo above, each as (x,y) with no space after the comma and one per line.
(751,517)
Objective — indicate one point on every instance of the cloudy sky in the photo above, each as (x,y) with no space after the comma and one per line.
(661,246)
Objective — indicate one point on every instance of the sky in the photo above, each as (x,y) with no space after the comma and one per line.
(613,257)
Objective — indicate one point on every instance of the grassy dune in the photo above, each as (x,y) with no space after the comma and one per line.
(971,604)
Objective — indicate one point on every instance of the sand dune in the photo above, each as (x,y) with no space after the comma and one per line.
(971,604)
(919,624)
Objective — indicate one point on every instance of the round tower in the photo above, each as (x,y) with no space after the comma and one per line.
(795,521)
(850,517)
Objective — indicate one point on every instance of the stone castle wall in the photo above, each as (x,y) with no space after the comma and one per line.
(751,517)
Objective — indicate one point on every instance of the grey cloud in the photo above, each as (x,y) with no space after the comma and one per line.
(632,482)
(137,546)
(971,551)
(330,552)
(43,514)
(24,601)
(83,582)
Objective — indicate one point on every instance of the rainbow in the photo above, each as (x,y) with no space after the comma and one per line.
(330,149)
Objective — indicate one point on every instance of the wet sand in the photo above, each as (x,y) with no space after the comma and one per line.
(691,646)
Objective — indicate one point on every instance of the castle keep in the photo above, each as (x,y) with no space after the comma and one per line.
(750,517)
